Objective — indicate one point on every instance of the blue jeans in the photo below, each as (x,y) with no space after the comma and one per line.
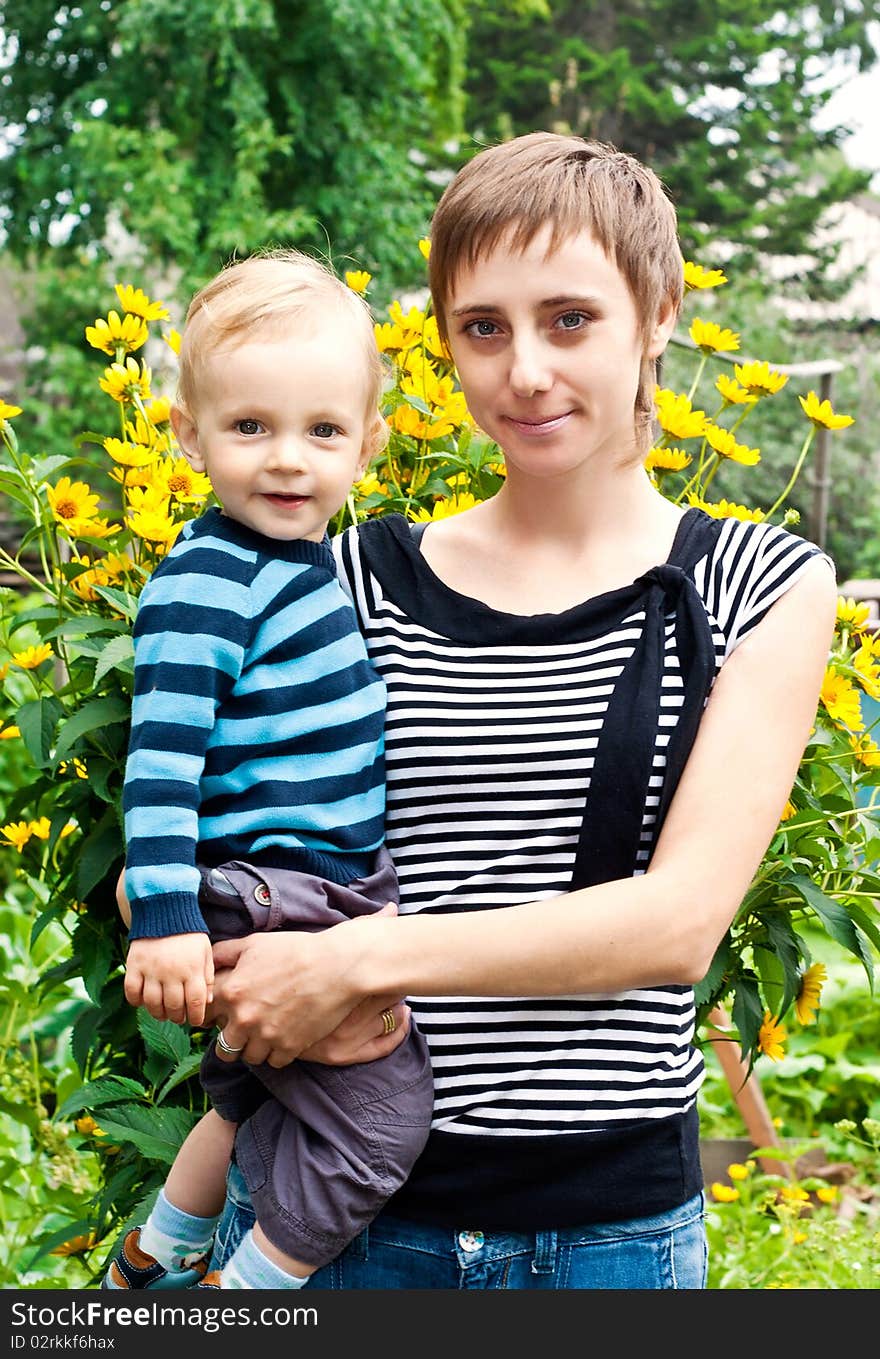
(665,1251)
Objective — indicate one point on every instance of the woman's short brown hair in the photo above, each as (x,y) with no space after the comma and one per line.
(516,188)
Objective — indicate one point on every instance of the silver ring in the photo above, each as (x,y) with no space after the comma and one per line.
(224,1046)
(389,1023)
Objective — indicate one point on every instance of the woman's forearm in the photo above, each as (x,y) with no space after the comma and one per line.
(633,932)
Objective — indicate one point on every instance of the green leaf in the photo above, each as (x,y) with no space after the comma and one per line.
(836,920)
(788,950)
(85,624)
(100,712)
(182,1072)
(161,1036)
(117,655)
(772,975)
(105,1090)
(99,851)
(44,468)
(122,600)
(81,1227)
(37,721)
(710,986)
(157,1133)
(747,1014)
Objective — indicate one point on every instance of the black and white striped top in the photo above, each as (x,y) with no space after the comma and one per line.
(545,1109)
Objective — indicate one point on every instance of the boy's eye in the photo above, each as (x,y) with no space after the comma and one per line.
(248,426)
(324,430)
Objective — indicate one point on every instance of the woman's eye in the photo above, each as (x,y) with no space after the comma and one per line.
(484,329)
(325,430)
(247,426)
(572,320)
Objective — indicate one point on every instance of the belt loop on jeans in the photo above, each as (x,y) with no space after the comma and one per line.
(360,1246)
(545,1253)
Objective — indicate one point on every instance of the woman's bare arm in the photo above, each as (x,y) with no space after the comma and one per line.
(660,927)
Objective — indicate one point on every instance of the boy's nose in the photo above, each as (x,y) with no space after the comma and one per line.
(286,454)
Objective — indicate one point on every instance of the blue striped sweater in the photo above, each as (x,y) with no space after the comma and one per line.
(257,722)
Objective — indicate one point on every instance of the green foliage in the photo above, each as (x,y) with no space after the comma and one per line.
(292,120)
(718,96)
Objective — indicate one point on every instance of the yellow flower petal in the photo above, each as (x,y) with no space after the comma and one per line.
(822,415)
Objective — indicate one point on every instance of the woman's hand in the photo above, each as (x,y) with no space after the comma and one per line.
(289,994)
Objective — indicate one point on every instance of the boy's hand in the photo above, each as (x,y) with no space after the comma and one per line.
(173,978)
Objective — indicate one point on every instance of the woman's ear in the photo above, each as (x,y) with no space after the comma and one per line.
(662,329)
(187,435)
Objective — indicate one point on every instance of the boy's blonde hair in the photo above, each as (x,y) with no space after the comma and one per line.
(515,189)
(268,291)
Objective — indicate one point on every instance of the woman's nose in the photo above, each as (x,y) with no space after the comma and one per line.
(530,370)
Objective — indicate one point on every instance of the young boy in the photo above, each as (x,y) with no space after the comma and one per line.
(254,789)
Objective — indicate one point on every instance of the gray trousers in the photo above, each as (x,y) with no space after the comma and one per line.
(321,1148)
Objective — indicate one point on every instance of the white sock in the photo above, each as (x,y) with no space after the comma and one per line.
(248,1267)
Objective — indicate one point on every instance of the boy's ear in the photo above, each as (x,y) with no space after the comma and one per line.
(187,436)
(663,328)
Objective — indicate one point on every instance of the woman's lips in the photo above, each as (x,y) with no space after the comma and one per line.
(536,429)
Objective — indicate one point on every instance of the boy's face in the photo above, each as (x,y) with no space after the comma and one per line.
(549,351)
(281,426)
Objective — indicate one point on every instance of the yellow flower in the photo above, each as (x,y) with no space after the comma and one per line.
(79,768)
(667,460)
(695,276)
(7,412)
(135,300)
(840,699)
(794,1193)
(737,1171)
(408,421)
(127,332)
(86,1124)
(128,455)
(7,733)
(425,246)
(390,337)
(822,415)
(72,502)
(711,338)
(676,416)
(866,751)
(32,656)
(17,833)
(807,1002)
(159,410)
(724,1193)
(370,485)
(726,509)
(432,342)
(172,339)
(852,615)
(358,280)
(77,1245)
(867,670)
(759,378)
(445,508)
(414,320)
(177,478)
(154,526)
(40,828)
(124,381)
(826,1193)
(726,446)
(733,393)
(788,811)
(771,1037)
(153,496)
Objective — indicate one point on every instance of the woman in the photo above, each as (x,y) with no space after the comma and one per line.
(597,703)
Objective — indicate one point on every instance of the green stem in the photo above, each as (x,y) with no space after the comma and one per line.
(699,373)
(794,476)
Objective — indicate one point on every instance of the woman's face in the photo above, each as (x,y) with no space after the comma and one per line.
(548,351)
